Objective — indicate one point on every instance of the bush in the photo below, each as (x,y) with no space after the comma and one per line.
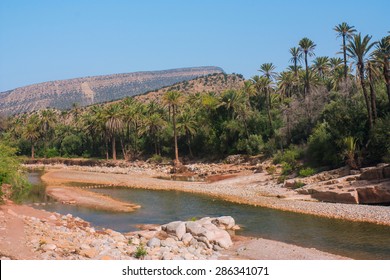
(379,147)
(71,145)
(141,252)
(286,168)
(321,148)
(252,146)
(12,173)
(51,152)
(289,156)
(306,172)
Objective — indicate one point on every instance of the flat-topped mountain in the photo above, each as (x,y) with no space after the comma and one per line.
(63,94)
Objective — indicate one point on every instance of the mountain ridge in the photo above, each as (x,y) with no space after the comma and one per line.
(62,94)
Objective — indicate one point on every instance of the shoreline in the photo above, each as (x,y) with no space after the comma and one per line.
(251,189)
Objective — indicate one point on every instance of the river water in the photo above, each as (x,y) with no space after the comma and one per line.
(351,239)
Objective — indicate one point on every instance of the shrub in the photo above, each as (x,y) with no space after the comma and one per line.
(289,156)
(156,159)
(306,172)
(252,146)
(271,170)
(141,252)
(286,168)
(71,145)
(51,152)
(298,185)
(281,179)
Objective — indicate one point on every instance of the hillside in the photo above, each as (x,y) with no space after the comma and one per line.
(63,94)
(217,83)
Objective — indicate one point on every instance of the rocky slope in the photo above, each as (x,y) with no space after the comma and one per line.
(90,90)
(217,83)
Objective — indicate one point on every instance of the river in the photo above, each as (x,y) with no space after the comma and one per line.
(351,239)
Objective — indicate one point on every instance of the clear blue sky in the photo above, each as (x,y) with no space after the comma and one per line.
(52,40)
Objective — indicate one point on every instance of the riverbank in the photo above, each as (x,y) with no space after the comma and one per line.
(259,189)
(28,233)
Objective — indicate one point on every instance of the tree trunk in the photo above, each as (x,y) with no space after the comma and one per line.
(345,59)
(106,142)
(269,112)
(113,148)
(189,144)
(175,135)
(307,86)
(373,95)
(386,74)
(369,113)
(32,151)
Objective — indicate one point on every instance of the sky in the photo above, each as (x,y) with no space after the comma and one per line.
(54,39)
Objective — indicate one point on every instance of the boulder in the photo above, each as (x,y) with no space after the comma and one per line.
(177,229)
(337,196)
(154,242)
(187,237)
(371,173)
(195,228)
(374,194)
(224,222)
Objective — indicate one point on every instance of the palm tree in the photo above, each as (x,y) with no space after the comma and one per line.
(346,32)
(153,125)
(372,70)
(306,48)
(31,132)
(295,59)
(47,120)
(267,70)
(357,49)
(187,123)
(263,85)
(172,99)
(321,66)
(382,55)
(113,124)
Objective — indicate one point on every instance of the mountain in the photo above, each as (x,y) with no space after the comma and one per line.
(63,94)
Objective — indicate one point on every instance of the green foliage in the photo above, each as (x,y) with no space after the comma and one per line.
(251,146)
(140,252)
(51,152)
(321,148)
(379,146)
(306,172)
(298,185)
(71,145)
(271,169)
(286,168)
(289,156)
(11,172)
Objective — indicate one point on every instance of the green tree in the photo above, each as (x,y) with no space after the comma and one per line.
(31,132)
(358,48)
(172,99)
(382,55)
(346,32)
(306,48)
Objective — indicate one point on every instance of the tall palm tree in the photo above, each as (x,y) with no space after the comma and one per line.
(267,70)
(172,99)
(187,123)
(152,126)
(263,85)
(114,124)
(382,55)
(346,32)
(358,48)
(306,48)
(31,132)
(295,59)
(372,69)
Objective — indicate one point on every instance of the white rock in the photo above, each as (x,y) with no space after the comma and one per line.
(176,228)
(187,237)
(154,242)
(194,228)
(49,247)
(224,222)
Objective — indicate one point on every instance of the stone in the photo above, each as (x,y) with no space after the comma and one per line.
(374,195)
(194,228)
(371,173)
(187,237)
(224,222)
(336,196)
(154,242)
(175,228)
(135,241)
(90,253)
(49,247)
(85,247)
(169,242)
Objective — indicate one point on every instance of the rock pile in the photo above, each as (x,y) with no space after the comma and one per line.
(66,237)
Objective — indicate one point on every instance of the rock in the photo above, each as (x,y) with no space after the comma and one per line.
(225,222)
(194,228)
(135,241)
(374,195)
(354,172)
(187,237)
(85,247)
(289,184)
(49,247)
(169,242)
(53,218)
(371,173)
(176,228)
(154,242)
(336,196)
(90,253)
